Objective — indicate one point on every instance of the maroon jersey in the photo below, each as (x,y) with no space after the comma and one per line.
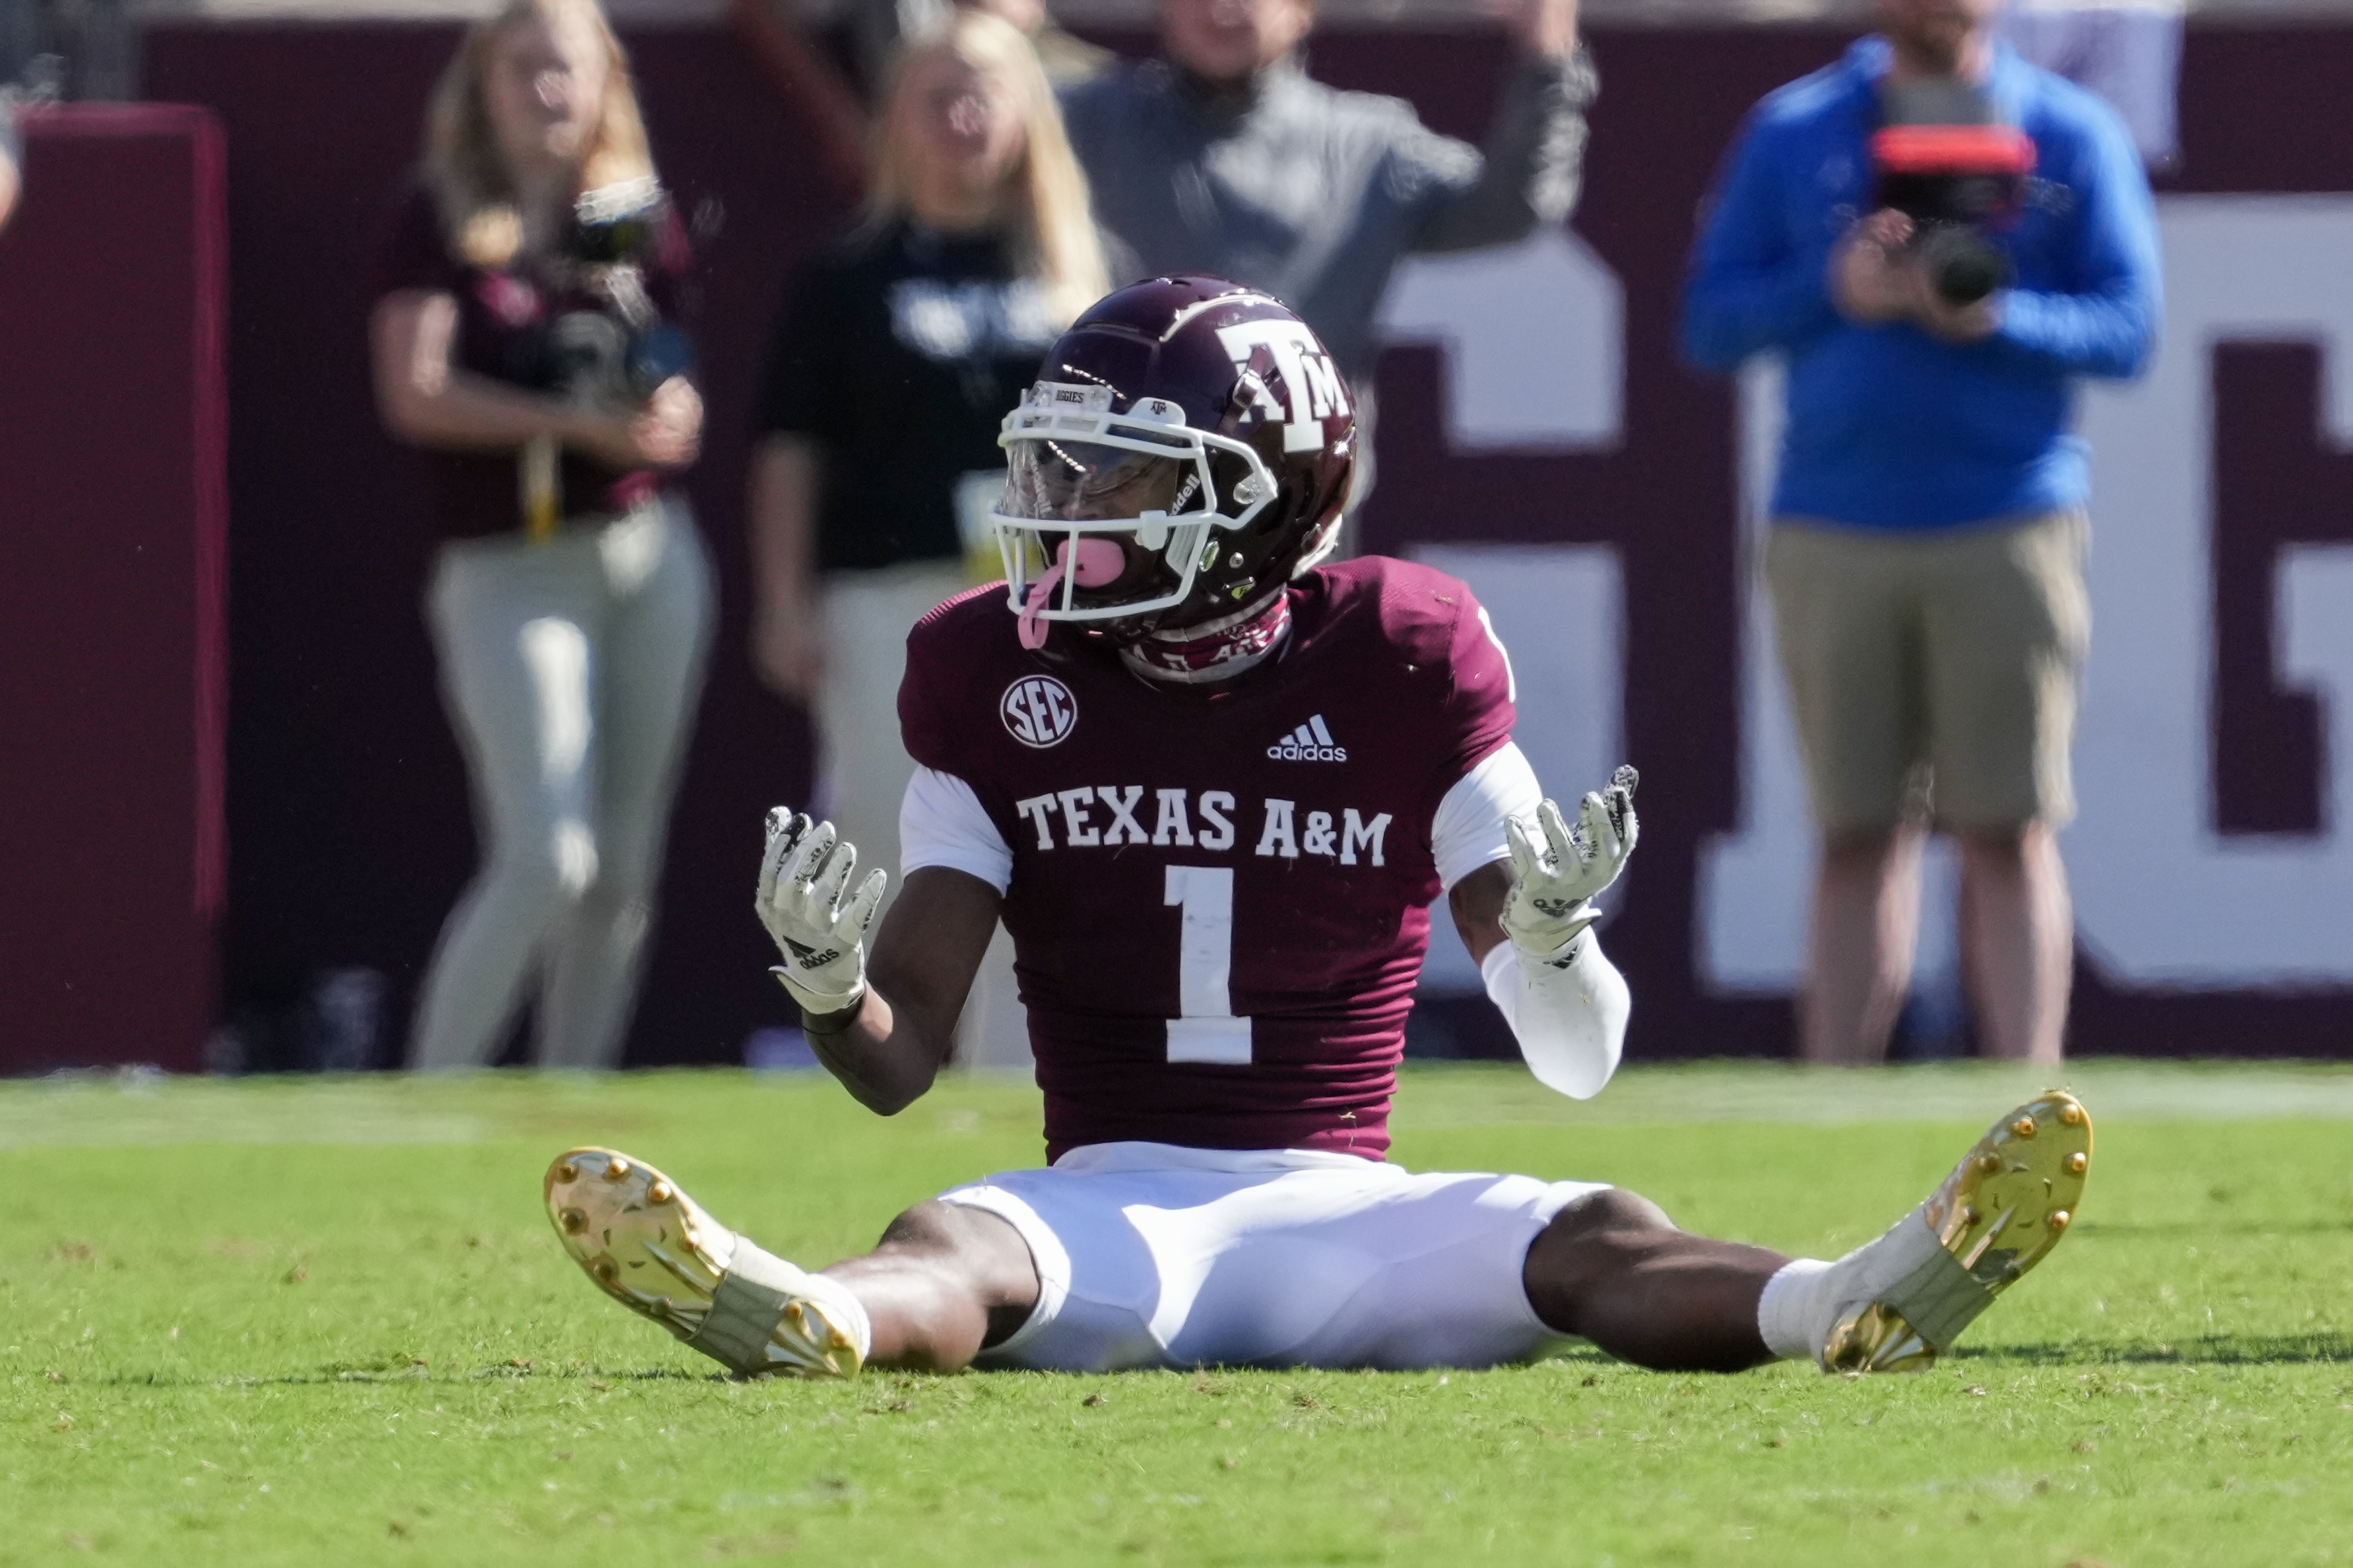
(1219,896)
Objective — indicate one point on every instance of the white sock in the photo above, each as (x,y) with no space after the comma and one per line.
(843,1309)
(1806,1297)
(829,1296)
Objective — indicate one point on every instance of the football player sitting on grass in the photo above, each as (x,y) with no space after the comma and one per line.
(1211,788)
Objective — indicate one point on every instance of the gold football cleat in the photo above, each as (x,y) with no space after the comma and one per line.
(654,1250)
(2005,1205)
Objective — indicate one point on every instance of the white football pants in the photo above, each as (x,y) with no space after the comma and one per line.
(1150,1254)
(571,672)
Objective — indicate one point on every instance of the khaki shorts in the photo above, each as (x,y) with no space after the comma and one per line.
(1933,671)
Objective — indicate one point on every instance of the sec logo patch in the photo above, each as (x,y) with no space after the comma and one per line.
(1038,710)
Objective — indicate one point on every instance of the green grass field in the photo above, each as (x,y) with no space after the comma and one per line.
(325,1322)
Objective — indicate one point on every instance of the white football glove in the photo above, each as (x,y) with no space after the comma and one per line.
(802,878)
(1555,881)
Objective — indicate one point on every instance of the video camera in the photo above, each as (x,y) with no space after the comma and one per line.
(616,234)
(1960,184)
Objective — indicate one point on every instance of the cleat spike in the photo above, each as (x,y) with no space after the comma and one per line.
(650,1247)
(2030,1167)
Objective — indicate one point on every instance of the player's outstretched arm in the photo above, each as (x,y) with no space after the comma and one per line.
(884,1030)
(1528,924)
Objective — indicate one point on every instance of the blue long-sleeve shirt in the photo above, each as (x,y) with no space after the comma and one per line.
(1889,428)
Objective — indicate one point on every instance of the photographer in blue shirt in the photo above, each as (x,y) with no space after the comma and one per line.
(1925,556)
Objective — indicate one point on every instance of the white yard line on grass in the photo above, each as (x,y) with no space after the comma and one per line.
(107,1110)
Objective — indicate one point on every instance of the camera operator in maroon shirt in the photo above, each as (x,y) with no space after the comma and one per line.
(526,347)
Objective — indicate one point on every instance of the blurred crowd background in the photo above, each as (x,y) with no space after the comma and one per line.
(239,618)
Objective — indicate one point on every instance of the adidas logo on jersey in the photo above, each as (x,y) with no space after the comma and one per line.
(1311,742)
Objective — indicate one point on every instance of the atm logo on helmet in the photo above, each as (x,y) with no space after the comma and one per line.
(1317,390)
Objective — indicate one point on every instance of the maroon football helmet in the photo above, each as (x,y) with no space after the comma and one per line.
(1184,455)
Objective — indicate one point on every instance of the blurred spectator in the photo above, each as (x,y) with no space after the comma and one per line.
(524,343)
(898,352)
(12,158)
(1925,556)
(879,26)
(1226,158)
(38,85)
(833,103)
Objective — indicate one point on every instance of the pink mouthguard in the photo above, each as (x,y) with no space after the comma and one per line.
(1100,562)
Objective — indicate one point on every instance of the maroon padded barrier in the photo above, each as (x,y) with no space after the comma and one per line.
(113,513)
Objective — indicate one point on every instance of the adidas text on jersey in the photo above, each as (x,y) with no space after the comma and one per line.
(1311,742)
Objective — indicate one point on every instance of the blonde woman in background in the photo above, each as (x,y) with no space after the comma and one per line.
(524,345)
(899,350)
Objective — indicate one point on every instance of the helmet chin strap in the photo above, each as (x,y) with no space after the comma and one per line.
(1217,651)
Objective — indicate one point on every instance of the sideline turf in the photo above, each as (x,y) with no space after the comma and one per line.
(309,1322)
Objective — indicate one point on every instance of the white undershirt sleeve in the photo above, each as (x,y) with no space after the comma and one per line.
(1570,1020)
(1468,831)
(943,823)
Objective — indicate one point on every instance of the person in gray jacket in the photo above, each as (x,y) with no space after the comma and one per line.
(1225,157)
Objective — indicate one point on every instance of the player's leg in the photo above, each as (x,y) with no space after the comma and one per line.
(1613,1269)
(944,1282)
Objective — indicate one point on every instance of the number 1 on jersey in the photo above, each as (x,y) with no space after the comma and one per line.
(1208,1031)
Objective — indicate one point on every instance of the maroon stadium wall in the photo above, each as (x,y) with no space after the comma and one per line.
(112,513)
(2211,859)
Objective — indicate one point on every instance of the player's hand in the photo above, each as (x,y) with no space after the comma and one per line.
(1557,872)
(802,878)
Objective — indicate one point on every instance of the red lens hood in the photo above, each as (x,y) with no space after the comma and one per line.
(1953,149)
